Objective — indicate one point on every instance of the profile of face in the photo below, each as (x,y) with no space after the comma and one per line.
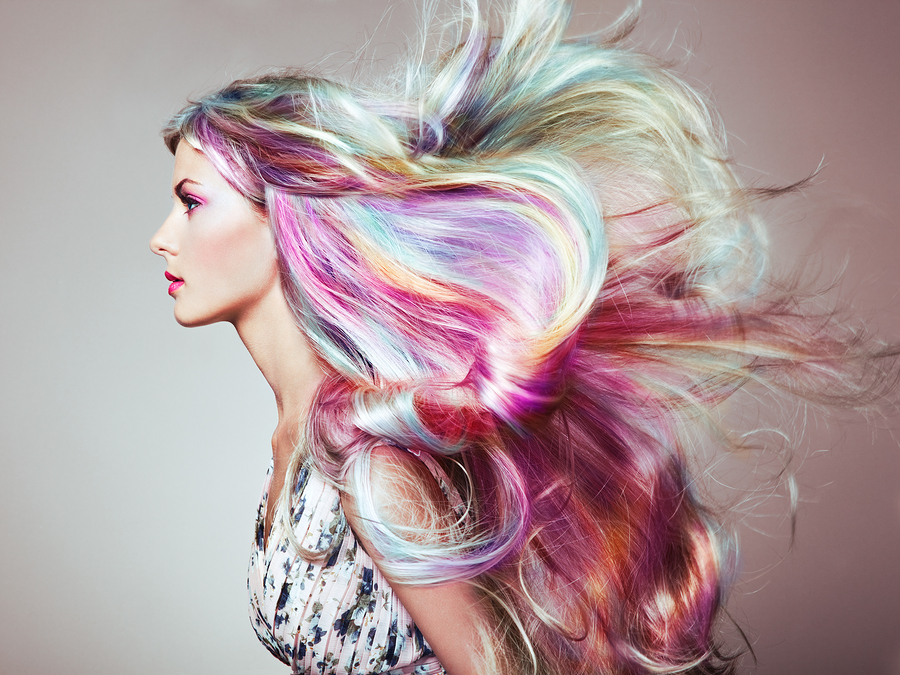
(219,251)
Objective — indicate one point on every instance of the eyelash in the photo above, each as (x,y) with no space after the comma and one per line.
(189,202)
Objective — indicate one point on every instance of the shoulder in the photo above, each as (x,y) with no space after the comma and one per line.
(398,489)
(403,484)
(406,497)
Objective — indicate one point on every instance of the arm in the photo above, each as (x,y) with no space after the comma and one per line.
(449,615)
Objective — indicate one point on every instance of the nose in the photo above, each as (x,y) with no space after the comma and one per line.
(162,242)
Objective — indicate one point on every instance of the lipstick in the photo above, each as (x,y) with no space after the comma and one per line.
(176,283)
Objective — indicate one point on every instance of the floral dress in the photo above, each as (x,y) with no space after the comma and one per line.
(334,616)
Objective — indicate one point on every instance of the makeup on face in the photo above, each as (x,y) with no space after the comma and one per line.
(218,241)
(176,283)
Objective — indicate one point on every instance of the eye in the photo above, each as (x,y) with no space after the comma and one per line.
(189,202)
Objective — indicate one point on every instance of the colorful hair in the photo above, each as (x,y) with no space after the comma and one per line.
(537,265)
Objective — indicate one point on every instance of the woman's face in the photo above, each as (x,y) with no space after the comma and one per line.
(220,252)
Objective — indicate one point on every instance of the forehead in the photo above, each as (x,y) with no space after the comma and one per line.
(193,164)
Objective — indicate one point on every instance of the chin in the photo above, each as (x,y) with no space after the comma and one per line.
(188,320)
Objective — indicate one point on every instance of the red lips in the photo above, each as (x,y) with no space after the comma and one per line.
(176,283)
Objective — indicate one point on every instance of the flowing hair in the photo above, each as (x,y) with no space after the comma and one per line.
(532,261)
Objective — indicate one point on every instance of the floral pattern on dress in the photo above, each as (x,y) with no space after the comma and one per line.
(334,617)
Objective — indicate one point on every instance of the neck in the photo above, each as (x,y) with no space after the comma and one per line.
(285,359)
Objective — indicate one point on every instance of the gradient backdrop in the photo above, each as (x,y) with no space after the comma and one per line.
(133,450)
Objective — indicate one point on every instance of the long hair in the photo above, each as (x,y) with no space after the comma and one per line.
(534,263)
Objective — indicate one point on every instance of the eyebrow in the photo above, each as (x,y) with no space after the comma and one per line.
(180,185)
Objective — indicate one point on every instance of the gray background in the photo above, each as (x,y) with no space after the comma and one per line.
(133,450)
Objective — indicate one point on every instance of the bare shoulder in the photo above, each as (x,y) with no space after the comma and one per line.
(404,493)
(452,616)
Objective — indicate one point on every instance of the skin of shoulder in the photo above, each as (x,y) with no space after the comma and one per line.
(449,615)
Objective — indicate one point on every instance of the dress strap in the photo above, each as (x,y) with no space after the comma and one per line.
(443,480)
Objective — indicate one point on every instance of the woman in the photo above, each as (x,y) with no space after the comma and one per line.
(492,308)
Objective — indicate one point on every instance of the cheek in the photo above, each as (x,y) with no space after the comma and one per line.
(239,255)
